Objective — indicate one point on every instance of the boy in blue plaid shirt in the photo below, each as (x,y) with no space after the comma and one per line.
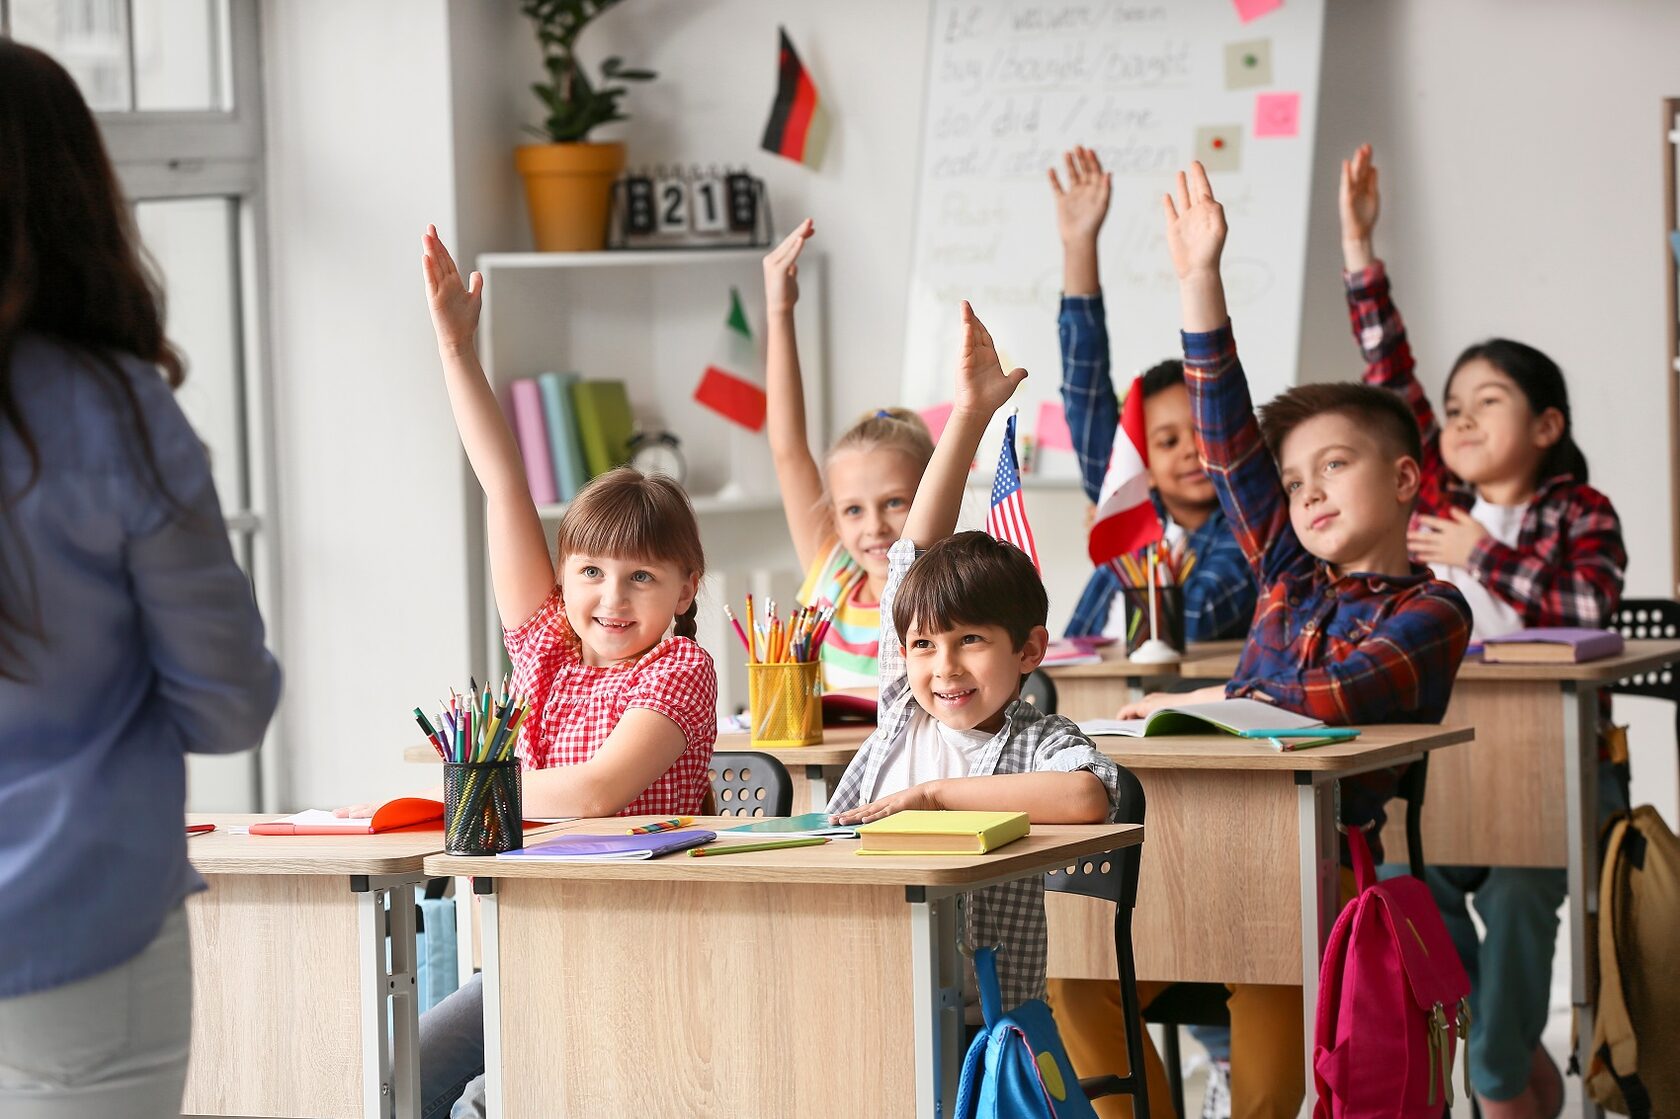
(961,624)
(1219,592)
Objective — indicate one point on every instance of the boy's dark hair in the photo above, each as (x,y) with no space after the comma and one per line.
(1379,409)
(972,579)
(1162,376)
(1541,382)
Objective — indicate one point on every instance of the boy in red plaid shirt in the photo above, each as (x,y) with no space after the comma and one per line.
(1319,491)
(1506,515)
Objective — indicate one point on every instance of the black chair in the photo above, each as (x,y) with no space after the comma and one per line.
(1412,785)
(1040,691)
(1651,618)
(747,783)
(1185,1004)
(1114,877)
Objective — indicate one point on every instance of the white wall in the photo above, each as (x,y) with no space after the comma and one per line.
(1522,189)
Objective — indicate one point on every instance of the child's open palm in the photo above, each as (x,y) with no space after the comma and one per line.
(1083,204)
(1358,199)
(1195,224)
(454,307)
(781,269)
(982,385)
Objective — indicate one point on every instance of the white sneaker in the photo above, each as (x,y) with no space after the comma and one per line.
(1216,1097)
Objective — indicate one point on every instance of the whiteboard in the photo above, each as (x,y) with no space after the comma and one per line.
(1011,84)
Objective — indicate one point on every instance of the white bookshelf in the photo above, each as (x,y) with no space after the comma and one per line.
(654,319)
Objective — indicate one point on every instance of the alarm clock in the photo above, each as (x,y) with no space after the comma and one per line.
(655,452)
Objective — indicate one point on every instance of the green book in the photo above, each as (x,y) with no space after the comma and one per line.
(604,423)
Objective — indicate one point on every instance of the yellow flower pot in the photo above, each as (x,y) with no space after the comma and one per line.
(568,190)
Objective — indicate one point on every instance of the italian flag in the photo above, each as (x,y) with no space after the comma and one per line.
(729,386)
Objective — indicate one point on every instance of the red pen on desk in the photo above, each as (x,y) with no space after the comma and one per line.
(200,829)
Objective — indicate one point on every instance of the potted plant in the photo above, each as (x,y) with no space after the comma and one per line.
(568,180)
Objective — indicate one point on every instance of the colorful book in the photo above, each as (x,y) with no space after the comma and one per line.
(611,848)
(403,814)
(941,833)
(1561,645)
(1245,718)
(1066,653)
(531,433)
(604,423)
(570,472)
(806,824)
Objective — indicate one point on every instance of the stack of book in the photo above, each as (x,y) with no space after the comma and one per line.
(568,430)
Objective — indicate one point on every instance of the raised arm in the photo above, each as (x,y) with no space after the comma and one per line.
(1376,323)
(521,570)
(797,473)
(1087,386)
(982,388)
(1227,434)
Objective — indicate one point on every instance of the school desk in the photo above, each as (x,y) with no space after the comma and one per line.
(1526,795)
(1240,879)
(1096,691)
(296,1008)
(680,986)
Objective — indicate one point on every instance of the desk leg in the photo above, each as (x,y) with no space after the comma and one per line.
(492,966)
(463,930)
(390,1006)
(1317,810)
(1580,778)
(936,992)
(816,778)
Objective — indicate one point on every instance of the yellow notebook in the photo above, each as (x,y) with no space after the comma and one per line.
(941,833)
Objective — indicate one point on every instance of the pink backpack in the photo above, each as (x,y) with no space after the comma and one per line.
(1393,1000)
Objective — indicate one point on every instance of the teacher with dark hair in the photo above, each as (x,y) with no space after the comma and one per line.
(128,635)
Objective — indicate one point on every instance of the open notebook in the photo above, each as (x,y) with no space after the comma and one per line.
(1245,718)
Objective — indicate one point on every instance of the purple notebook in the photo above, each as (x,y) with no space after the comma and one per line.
(611,848)
(1562,645)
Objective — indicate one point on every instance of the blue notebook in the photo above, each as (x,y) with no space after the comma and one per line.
(793,827)
(611,848)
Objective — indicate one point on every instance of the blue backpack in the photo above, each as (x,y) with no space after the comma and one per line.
(1017,1068)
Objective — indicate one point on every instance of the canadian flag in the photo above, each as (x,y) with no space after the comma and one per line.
(1126,518)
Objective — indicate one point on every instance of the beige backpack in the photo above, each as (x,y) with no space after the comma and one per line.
(1635,1061)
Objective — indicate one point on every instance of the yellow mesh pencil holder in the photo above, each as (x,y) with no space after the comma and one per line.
(784,702)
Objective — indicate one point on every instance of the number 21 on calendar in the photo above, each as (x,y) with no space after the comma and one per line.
(672,195)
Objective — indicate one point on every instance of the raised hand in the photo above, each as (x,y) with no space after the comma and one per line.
(982,385)
(1082,205)
(1195,224)
(781,269)
(1359,204)
(454,308)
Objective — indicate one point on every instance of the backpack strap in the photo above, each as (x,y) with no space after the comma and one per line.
(1612,1000)
(1364,869)
(985,977)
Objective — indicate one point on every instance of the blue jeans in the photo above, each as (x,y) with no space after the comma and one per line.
(452,1055)
(1511,969)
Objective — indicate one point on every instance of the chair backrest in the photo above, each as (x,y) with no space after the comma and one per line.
(747,783)
(1655,618)
(1040,691)
(1112,875)
(1414,782)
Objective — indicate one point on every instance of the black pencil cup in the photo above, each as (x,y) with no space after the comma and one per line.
(1169,616)
(481,812)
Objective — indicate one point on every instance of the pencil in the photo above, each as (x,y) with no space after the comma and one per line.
(769,845)
(662,825)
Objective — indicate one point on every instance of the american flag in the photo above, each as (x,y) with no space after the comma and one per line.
(1007,519)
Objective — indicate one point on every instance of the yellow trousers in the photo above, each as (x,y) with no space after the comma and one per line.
(1268,1058)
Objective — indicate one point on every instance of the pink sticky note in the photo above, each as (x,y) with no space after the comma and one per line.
(935,417)
(1277,114)
(1052,432)
(1250,10)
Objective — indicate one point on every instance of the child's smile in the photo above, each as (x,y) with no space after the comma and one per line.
(621,608)
(965,676)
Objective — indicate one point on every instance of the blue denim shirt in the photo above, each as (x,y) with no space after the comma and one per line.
(146,644)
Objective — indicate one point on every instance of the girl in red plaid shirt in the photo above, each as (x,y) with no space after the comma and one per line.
(1505,514)
(623,700)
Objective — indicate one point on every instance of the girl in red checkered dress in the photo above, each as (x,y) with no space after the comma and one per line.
(623,700)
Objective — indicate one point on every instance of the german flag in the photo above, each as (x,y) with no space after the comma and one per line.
(794,118)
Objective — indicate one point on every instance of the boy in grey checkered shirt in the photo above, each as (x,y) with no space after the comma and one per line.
(962,622)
